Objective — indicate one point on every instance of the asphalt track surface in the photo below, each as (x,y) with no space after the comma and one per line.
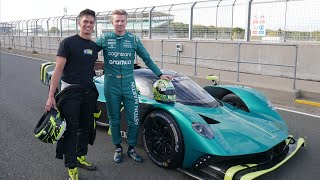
(22,156)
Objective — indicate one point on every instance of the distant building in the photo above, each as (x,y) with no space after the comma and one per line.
(138,22)
(5,28)
(33,29)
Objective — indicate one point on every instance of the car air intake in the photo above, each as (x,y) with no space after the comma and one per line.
(209,120)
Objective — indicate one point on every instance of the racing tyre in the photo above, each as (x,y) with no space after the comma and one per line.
(163,140)
(235,101)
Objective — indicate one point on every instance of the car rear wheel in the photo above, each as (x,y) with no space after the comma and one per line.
(163,140)
(235,101)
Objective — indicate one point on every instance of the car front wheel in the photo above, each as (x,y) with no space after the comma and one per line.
(163,140)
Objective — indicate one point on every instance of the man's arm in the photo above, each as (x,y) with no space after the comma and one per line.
(100,42)
(60,63)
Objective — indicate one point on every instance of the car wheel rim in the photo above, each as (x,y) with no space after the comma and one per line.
(159,138)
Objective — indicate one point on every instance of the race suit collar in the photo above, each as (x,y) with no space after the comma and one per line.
(120,36)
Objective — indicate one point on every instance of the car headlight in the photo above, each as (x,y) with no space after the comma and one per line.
(203,129)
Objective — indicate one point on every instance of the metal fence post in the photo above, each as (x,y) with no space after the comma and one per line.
(162,54)
(295,68)
(19,42)
(135,20)
(11,26)
(48,26)
(238,61)
(150,22)
(169,21)
(247,30)
(96,25)
(195,57)
(232,19)
(13,42)
(41,27)
(61,33)
(77,24)
(40,44)
(285,22)
(217,20)
(141,24)
(49,45)
(27,28)
(32,44)
(191,21)
(37,27)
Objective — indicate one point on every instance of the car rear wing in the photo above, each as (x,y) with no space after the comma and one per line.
(46,70)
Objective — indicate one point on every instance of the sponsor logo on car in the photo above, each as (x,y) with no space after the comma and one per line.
(136,103)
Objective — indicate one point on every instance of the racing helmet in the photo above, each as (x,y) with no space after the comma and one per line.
(50,127)
(164,91)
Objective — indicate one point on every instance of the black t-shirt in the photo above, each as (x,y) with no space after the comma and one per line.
(81,55)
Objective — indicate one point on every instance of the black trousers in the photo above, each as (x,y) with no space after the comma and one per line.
(78,113)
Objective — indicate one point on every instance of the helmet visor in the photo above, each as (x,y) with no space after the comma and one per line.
(168,92)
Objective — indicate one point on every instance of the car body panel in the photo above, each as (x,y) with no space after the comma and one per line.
(254,132)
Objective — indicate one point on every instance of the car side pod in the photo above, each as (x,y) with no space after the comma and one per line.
(294,146)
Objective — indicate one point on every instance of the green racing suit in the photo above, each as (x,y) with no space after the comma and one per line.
(119,55)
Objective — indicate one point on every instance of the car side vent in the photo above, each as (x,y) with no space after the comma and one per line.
(209,120)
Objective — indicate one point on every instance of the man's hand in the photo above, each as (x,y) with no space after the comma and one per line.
(166,77)
(51,102)
(99,72)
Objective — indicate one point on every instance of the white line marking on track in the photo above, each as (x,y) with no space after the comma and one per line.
(298,112)
(28,57)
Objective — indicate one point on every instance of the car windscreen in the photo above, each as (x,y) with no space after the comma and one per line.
(190,93)
(187,91)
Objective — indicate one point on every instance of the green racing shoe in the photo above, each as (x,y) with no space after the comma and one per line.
(83,163)
(73,174)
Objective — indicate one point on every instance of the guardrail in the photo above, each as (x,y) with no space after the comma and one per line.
(270,59)
(238,60)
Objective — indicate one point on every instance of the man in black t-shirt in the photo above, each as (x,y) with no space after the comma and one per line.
(75,62)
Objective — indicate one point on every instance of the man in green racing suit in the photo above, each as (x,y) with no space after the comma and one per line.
(119,48)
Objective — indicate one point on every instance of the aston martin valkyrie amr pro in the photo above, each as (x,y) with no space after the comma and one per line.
(227,131)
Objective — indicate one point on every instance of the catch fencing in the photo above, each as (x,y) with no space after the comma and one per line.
(295,21)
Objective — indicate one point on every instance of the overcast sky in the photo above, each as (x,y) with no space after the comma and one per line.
(12,10)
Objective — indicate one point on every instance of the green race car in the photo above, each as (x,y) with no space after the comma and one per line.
(227,131)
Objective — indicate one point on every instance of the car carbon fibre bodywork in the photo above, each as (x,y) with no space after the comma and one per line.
(225,132)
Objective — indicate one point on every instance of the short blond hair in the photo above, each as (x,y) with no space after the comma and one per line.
(119,12)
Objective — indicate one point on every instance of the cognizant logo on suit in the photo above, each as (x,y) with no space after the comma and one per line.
(121,54)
